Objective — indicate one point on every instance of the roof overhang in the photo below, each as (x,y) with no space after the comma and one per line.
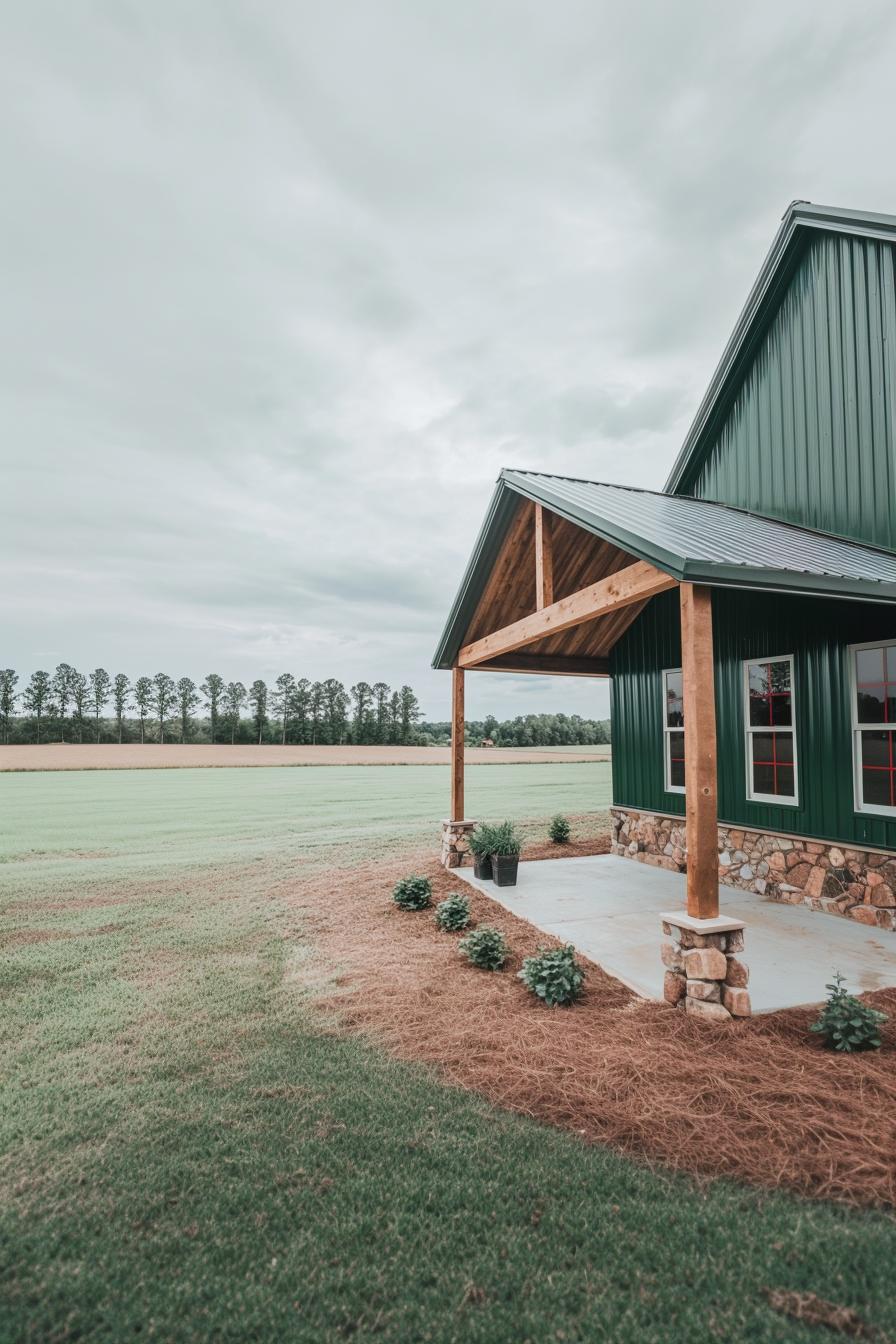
(512,486)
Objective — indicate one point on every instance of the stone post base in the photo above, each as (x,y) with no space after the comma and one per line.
(455,849)
(704,974)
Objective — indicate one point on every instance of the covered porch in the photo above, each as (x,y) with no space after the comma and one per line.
(562,570)
(610,909)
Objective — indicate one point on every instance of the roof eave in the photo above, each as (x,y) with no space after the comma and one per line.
(796,582)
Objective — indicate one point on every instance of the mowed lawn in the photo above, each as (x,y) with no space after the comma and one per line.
(191,1149)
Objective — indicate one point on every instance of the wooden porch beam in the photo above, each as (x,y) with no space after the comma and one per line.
(701,808)
(457,744)
(634,584)
(544,559)
(548,665)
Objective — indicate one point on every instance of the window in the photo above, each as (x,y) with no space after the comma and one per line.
(770,722)
(673,730)
(874,704)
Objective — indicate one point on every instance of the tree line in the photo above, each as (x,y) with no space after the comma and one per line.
(526,730)
(68,705)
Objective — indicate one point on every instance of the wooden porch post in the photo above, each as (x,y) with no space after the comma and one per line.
(700,751)
(457,744)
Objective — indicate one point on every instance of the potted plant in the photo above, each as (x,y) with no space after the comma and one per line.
(481,847)
(506,846)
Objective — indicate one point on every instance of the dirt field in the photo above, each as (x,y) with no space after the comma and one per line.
(69,756)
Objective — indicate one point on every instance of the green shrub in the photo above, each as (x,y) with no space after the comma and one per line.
(453,914)
(846,1023)
(412,893)
(485,948)
(481,840)
(506,840)
(554,975)
(559,830)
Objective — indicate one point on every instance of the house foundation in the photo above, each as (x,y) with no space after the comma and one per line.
(705,975)
(455,845)
(857,884)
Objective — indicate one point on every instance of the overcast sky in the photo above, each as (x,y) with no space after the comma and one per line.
(284,285)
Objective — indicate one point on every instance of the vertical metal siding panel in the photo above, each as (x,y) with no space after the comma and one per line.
(652,643)
(888,338)
(810,435)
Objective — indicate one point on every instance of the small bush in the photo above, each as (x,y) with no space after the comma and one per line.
(554,975)
(559,830)
(846,1023)
(485,948)
(506,840)
(481,840)
(453,914)
(412,893)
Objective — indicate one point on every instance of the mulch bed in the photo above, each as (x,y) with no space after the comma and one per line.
(760,1100)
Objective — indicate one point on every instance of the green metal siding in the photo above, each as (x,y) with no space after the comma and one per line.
(810,435)
(746,625)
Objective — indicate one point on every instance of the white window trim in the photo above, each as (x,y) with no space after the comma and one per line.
(869,809)
(776,799)
(667,739)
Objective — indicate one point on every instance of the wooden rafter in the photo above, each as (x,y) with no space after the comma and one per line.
(634,584)
(544,559)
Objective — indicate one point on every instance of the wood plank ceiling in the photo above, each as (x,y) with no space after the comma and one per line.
(580,558)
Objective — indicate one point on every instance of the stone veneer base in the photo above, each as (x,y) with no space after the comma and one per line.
(704,974)
(455,846)
(858,884)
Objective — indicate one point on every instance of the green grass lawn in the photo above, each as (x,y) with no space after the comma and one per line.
(190,1151)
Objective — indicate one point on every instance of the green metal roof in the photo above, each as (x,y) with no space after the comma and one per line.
(694,540)
(801,222)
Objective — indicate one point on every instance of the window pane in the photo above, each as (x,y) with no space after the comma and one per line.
(757,675)
(674,700)
(878,774)
(772,762)
(770,692)
(870,665)
(871,706)
(676,759)
(876,685)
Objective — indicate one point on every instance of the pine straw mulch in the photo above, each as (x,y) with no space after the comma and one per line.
(760,1100)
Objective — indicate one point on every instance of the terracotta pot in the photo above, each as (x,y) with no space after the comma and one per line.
(504,869)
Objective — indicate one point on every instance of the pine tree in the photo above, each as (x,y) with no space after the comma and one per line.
(143,700)
(121,694)
(187,700)
(234,700)
(258,699)
(164,694)
(213,690)
(99,694)
(36,696)
(8,698)
(282,702)
(79,701)
(62,691)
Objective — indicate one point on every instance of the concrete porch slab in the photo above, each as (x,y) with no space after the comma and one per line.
(609,908)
